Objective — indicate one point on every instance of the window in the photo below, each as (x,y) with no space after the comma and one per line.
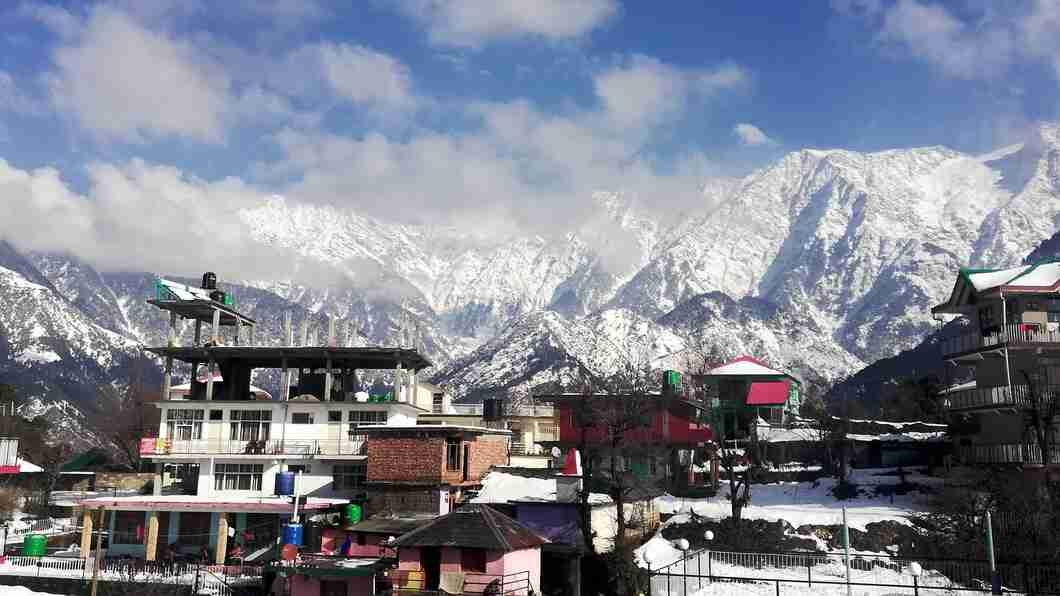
(452,454)
(250,425)
(303,468)
(368,418)
(365,419)
(217,415)
(237,477)
(184,425)
(128,527)
(334,416)
(301,418)
(349,476)
(473,560)
(437,401)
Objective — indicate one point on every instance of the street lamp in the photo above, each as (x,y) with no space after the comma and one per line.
(682,545)
(916,570)
(709,536)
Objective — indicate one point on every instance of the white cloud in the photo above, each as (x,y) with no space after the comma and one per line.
(119,80)
(751,135)
(474,22)
(136,216)
(360,74)
(984,46)
(517,168)
(645,90)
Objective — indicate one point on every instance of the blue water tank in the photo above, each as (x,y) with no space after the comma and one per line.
(285,483)
(292,534)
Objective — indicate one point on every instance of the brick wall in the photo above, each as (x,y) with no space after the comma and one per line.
(423,459)
(405,459)
(388,500)
(487,451)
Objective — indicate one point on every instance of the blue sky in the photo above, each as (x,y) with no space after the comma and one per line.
(440,111)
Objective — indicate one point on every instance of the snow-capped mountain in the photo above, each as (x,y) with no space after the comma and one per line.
(821,262)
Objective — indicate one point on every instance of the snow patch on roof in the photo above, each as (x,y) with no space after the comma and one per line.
(745,366)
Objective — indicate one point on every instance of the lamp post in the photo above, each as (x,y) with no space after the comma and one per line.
(916,570)
(709,536)
(682,545)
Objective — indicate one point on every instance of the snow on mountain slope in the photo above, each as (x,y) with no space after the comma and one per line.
(823,261)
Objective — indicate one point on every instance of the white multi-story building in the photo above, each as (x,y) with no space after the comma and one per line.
(222,442)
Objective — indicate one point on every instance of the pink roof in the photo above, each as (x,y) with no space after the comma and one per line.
(768,393)
(746,366)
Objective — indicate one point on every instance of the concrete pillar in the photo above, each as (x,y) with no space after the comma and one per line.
(215,331)
(86,533)
(167,377)
(209,380)
(221,550)
(328,380)
(151,546)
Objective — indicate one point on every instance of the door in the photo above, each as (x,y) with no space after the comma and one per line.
(467,460)
(332,588)
(431,560)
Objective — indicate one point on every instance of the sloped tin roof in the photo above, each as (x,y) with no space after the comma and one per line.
(473,526)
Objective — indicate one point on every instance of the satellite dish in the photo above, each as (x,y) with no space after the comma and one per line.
(361,396)
(556,452)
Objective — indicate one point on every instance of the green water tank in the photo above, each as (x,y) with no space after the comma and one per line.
(353,512)
(35,545)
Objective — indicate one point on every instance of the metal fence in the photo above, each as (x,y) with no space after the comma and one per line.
(400,582)
(827,573)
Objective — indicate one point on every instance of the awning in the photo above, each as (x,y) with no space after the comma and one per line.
(768,393)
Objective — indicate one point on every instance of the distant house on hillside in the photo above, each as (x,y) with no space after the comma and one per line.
(746,389)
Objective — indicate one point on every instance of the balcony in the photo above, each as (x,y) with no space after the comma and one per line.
(351,446)
(402,581)
(476,410)
(1014,334)
(987,398)
(1006,453)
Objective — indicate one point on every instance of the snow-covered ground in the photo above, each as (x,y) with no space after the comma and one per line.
(801,503)
(22,591)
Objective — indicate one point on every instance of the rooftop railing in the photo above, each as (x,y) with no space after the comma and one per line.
(352,445)
(975,339)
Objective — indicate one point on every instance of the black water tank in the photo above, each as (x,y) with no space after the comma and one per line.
(209,280)
(492,409)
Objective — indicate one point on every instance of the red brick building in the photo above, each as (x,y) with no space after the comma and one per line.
(424,469)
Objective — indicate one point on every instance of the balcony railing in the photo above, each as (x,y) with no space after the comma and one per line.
(988,397)
(402,581)
(355,445)
(1016,333)
(527,410)
(1007,453)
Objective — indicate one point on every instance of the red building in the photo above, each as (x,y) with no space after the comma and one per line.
(674,422)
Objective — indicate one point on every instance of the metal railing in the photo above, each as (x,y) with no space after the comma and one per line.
(403,581)
(988,397)
(1007,453)
(829,571)
(41,526)
(127,569)
(352,445)
(1014,333)
(526,410)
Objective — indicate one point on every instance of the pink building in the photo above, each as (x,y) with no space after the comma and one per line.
(470,551)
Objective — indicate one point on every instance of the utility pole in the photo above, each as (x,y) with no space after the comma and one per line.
(99,547)
(995,579)
(846,547)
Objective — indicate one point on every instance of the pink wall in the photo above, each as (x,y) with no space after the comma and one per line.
(310,586)
(527,559)
(332,540)
(409,558)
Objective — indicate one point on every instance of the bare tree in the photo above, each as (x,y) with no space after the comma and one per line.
(1041,410)
(124,419)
